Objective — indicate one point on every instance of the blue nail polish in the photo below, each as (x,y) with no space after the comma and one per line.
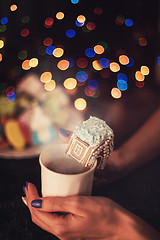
(27,185)
(24,190)
(37,203)
(65,132)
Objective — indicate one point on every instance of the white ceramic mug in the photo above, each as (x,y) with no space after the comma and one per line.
(62,175)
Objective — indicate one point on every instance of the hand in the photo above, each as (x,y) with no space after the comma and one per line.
(117,167)
(82,218)
(85,218)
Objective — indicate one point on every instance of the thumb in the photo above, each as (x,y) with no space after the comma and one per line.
(70,204)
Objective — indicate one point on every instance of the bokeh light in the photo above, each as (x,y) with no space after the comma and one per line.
(48,41)
(114,67)
(80,104)
(123,59)
(93,84)
(116,93)
(4,20)
(60,15)
(131,62)
(25,19)
(103,44)
(0,57)
(25,65)
(120,20)
(128,22)
(104,62)
(142,42)
(78,24)
(90,26)
(70,33)
(122,85)
(10,89)
(96,65)
(74,1)
(63,65)
(46,77)
(1,44)
(81,76)
(48,22)
(50,49)
(50,86)
(144,70)
(89,92)
(139,84)
(158,60)
(90,52)
(81,19)
(105,73)
(3,28)
(58,52)
(71,62)
(70,83)
(139,76)
(98,10)
(13,7)
(11,96)
(82,62)
(33,62)
(24,32)
(122,76)
(99,49)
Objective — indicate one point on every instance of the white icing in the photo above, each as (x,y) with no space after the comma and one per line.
(93,131)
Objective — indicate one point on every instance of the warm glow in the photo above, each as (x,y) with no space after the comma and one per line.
(114,67)
(90,26)
(80,104)
(139,76)
(81,19)
(96,65)
(13,7)
(144,70)
(70,83)
(116,93)
(99,49)
(0,57)
(58,52)
(46,77)
(123,59)
(142,42)
(49,86)
(48,41)
(63,65)
(1,43)
(60,15)
(25,65)
(33,62)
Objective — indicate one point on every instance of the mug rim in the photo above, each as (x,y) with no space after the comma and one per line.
(68,174)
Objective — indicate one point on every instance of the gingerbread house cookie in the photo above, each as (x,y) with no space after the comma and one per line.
(92,140)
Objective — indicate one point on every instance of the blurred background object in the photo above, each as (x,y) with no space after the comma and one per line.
(62,61)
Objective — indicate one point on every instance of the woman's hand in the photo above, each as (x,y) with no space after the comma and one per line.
(80,217)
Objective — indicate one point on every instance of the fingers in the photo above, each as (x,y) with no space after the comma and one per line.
(47,218)
(72,204)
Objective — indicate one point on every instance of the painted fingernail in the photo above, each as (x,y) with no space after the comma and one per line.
(24,190)
(27,185)
(36,203)
(65,132)
(24,201)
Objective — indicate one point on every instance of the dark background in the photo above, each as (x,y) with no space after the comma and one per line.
(140,191)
